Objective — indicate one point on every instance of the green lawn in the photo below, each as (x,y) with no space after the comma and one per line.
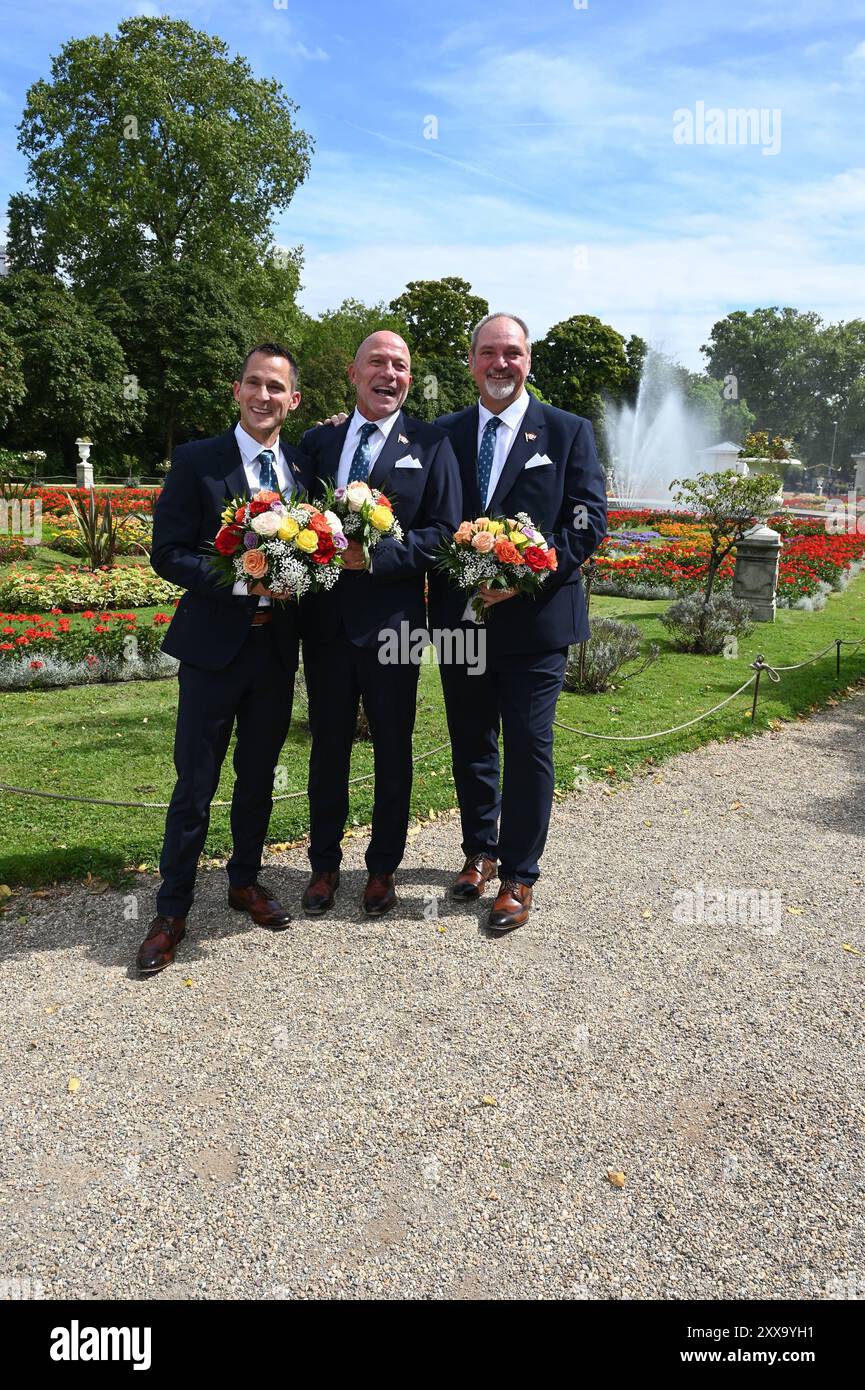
(115,741)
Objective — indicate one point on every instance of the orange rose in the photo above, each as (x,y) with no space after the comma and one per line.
(240,514)
(552,559)
(255,563)
(267,495)
(464,533)
(507,552)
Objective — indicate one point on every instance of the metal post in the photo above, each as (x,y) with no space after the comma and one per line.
(838,656)
(758,657)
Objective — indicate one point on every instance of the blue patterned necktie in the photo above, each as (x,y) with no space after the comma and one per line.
(485,457)
(359,471)
(266,471)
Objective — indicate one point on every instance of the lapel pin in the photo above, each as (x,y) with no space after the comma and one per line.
(530,436)
(402,439)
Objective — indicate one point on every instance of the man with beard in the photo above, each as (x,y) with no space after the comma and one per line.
(347,632)
(515,455)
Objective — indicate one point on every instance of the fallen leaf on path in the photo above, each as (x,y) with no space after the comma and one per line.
(845,946)
(72,1084)
(615,1178)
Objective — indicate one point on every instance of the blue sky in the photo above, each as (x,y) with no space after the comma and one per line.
(554,183)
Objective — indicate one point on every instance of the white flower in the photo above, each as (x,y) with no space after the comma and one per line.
(333,522)
(267,524)
(357,494)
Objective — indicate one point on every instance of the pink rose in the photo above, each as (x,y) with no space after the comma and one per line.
(463,534)
(255,564)
(483,542)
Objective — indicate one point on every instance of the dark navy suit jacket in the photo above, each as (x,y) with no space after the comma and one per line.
(427,504)
(566,499)
(211,623)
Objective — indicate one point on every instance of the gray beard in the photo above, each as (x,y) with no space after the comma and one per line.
(500,390)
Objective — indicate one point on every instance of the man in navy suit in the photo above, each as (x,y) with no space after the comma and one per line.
(238,652)
(349,633)
(515,455)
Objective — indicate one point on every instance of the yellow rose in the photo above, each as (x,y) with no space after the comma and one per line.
(381,518)
(495,527)
(306,540)
(228,516)
(518,539)
(288,529)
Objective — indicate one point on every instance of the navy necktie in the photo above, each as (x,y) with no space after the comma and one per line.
(359,471)
(266,470)
(485,457)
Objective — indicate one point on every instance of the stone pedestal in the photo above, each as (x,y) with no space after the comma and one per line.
(859,477)
(756,576)
(83,474)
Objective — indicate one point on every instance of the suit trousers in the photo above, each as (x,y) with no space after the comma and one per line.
(338,673)
(255,692)
(516,694)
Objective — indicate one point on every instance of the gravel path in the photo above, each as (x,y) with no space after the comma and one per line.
(415,1109)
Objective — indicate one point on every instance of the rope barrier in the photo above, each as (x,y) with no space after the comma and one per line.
(758,665)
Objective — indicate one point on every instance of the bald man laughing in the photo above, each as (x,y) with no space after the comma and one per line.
(351,634)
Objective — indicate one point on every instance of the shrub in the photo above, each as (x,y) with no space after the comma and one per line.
(697,626)
(611,645)
(11,548)
(135,538)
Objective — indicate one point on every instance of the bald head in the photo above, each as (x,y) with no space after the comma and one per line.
(381,374)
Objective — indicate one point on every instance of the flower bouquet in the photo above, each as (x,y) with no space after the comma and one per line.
(289,546)
(365,513)
(503,553)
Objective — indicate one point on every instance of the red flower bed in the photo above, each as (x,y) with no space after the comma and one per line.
(126,499)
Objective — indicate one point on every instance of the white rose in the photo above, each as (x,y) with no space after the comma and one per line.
(356,495)
(267,524)
(333,522)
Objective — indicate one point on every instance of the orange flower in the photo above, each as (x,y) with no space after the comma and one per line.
(255,563)
(463,534)
(507,552)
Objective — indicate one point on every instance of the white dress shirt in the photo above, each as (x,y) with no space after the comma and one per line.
(249,452)
(352,439)
(510,421)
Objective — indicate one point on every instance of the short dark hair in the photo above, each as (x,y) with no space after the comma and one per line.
(271,350)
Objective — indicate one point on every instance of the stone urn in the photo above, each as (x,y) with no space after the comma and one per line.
(84,468)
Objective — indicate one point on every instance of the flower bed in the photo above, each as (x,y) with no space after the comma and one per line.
(123,499)
(51,651)
(673,561)
(72,589)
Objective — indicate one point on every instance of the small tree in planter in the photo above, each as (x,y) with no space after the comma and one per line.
(728,506)
(100,529)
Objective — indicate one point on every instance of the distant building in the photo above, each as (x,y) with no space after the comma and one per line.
(4,264)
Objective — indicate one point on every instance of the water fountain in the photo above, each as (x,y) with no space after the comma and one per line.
(654,441)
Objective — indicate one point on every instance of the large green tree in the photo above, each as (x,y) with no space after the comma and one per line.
(439,316)
(12,387)
(579,362)
(153,147)
(74,370)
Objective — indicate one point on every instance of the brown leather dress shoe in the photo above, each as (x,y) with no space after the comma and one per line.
(320,892)
(264,910)
(473,877)
(379,895)
(158,947)
(511,907)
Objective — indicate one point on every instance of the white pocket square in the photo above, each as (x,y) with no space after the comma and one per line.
(408,461)
(538,461)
